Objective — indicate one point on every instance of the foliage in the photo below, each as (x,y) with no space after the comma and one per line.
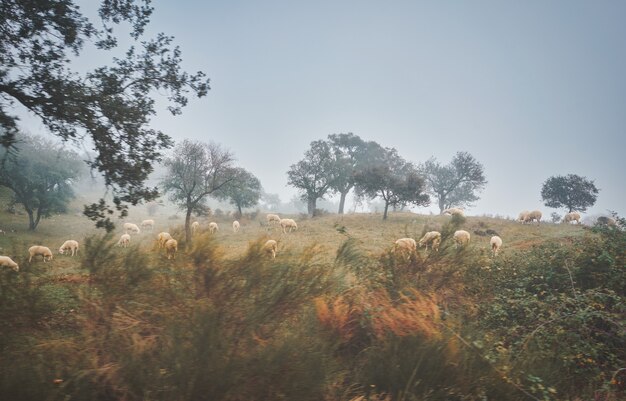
(243,191)
(455,184)
(572,191)
(109,107)
(313,175)
(194,171)
(349,153)
(393,179)
(41,176)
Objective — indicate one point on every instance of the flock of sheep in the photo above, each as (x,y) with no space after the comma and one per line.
(165,241)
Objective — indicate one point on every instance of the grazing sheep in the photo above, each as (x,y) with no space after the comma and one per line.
(213,227)
(523,216)
(606,221)
(171,246)
(124,240)
(39,250)
(162,238)
(271,247)
(8,262)
(69,245)
(461,237)
(272,217)
(432,238)
(496,243)
(534,215)
(131,228)
(572,216)
(288,223)
(235,226)
(454,211)
(148,223)
(194,227)
(406,246)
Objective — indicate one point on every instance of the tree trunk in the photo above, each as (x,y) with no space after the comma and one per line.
(37,218)
(342,201)
(386,208)
(31,220)
(188,225)
(442,204)
(311,203)
(239,213)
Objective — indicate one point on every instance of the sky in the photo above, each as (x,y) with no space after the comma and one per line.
(531,89)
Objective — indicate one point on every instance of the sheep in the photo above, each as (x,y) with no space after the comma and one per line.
(39,250)
(272,217)
(235,226)
(171,246)
(8,262)
(147,223)
(461,237)
(432,238)
(213,227)
(194,227)
(288,223)
(132,228)
(124,240)
(162,238)
(69,245)
(454,211)
(571,216)
(534,215)
(496,243)
(271,247)
(523,216)
(405,246)
(606,221)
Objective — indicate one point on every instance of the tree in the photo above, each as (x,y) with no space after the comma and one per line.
(109,107)
(243,191)
(393,179)
(313,175)
(195,171)
(40,176)
(455,184)
(572,191)
(348,155)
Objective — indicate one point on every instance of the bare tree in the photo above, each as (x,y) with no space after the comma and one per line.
(455,184)
(195,171)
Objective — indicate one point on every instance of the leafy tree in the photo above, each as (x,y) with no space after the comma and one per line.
(109,107)
(393,179)
(272,201)
(455,184)
(40,176)
(348,155)
(571,191)
(243,191)
(195,171)
(313,175)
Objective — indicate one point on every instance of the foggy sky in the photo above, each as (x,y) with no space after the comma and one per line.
(531,89)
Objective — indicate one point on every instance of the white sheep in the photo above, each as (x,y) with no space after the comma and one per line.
(532,216)
(288,223)
(124,240)
(272,218)
(572,216)
(69,245)
(171,246)
(405,246)
(131,228)
(606,221)
(432,238)
(162,238)
(454,211)
(496,243)
(194,227)
(213,228)
(523,216)
(148,223)
(8,262)
(40,250)
(236,226)
(461,237)
(271,247)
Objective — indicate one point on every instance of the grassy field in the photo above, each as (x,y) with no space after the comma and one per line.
(336,316)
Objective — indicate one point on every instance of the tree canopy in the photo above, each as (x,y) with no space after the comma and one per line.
(109,107)
(348,151)
(40,175)
(243,191)
(456,183)
(573,192)
(195,171)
